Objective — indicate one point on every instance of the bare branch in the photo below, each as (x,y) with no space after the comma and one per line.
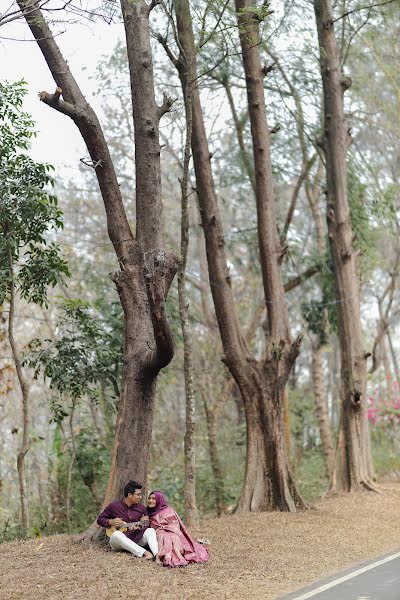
(302,177)
(153,4)
(166,105)
(295,281)
(164,43)
(53,100)
(203,41)
(360,8)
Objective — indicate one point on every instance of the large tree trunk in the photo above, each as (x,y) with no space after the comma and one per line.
(281,350)
(352,461)
(268,484)
(146,270)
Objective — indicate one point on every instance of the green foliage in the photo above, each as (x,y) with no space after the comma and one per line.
(316,315)
(310,474)
(385,452)
(303,423)
(16,126)
(84,356)
(91,456)
(27,209)
(360,212)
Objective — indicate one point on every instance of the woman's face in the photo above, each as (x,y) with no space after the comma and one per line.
(151,501)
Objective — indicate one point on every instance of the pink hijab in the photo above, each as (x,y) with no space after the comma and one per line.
(161,503)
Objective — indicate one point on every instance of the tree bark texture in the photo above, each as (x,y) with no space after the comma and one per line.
(268,484)
(352,461)
(146,270)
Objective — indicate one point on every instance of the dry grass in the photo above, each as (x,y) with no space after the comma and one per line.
(260,556)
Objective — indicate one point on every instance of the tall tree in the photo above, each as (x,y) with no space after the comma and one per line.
(29,264)
(191,514)
(277,364)
(146,269)
(352,468)
(268,483)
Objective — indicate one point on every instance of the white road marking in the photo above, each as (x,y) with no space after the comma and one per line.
(327,586)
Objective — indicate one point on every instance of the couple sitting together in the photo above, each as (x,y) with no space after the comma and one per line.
(158,526)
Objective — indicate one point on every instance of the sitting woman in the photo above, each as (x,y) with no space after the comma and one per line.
(176,547)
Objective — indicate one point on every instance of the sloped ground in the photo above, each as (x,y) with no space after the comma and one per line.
(260,556)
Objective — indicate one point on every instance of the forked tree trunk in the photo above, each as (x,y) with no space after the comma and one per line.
(281,351)
(353,459)
(268,483)
(146,270)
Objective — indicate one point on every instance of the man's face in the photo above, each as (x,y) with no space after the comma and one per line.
(135,498)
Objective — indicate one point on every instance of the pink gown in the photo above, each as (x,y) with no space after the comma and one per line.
(176,547)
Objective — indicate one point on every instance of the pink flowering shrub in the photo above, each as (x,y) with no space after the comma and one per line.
(384,405)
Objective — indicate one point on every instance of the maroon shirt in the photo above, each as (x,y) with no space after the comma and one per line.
(128,514)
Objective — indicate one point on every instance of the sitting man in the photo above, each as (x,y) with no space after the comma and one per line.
(129,510)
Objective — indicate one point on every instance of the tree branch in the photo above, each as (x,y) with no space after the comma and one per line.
(296,281)
(303,175)
(61,106)
(159,269)
(165,106)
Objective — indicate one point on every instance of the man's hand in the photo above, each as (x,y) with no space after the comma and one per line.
(117,522)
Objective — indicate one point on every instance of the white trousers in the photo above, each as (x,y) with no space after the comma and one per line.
(119,541)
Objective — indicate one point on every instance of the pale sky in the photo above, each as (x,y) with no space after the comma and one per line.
(58,141)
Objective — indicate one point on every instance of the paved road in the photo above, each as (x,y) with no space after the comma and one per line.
(377,580)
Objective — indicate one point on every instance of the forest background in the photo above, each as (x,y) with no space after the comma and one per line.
(73,409)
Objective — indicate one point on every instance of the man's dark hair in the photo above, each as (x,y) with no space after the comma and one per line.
(131,487)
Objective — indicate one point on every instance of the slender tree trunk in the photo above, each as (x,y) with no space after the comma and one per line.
(239,126)
(386,368)
(212,415)
(23,384)
(393,355)
(322,407)
(191,514)
(70,467)
(352,461)
(146,269)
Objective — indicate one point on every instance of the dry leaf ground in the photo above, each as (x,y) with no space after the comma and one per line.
(260,556)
